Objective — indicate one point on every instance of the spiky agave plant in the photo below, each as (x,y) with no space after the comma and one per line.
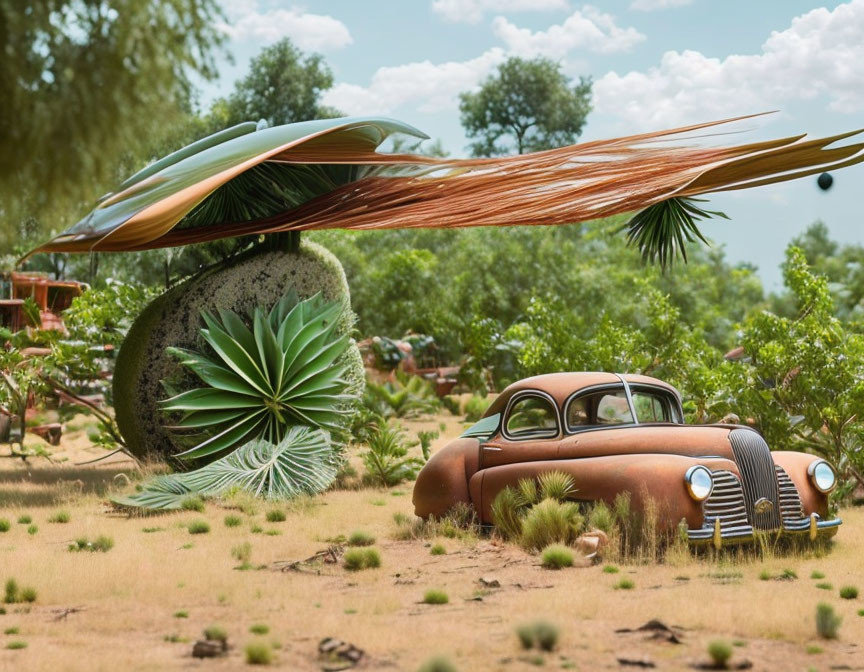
(284,371)
(300,463)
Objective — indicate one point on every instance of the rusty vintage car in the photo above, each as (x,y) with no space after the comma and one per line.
(615,433)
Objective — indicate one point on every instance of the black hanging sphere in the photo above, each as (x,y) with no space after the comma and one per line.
(825,181)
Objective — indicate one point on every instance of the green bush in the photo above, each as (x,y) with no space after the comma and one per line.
(438,549)
(356,559)
(825,586)
(233,521)
(540,634)
(827,621)
(720,653)
(33,529)
(600,517)
(258,653)
(61,517)
(386,458)
(16,645)
(25,519)
(199,527)
(215,633)
(765,575)
(437,665)
(102,544)
(625,584)
(5,525)
(360,538)
(556,557)
(849,592)
(610,569)
(11,631)
(275,516)
(507,513)
(259,629)
(815,574)
(435,596)
(551,522)
(15,594)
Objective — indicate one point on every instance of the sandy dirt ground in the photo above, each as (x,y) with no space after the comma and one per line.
(142,605)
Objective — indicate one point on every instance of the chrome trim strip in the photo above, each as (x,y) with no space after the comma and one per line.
(629,398)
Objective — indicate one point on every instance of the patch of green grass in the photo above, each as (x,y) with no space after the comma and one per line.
(610,569)
(861,612)
(827,621)
(816,574)
(233,521)
(360,538)
(25,519)
(273,533)
(193,503)
(256,529)
(243,554)
(102,544)
(435,596)
(849,592)
(720,652)
(812,649)
(275,516)
(61,517)
(11,631)
(540,634)
(14,594)
(5,525)
(175,639)
(437,665)
(556,556)
(16,645)
(258,653)
(259,629)
(199,527)
(824,586)
(739,643)
(438,549)
(378,502)
(764,575)
(625,584)
(788,575)
(181,614)
(151,530)
(356,559)
(33,529)
(215,633)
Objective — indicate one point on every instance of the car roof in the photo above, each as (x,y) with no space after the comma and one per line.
(560,386)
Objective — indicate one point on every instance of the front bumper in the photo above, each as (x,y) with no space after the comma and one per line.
(812,527)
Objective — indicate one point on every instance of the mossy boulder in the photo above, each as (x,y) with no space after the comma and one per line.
(259,278)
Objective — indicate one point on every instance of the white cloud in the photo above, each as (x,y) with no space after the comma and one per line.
(651,5)
(587,28)
(431,87)
(821,54)
(472,11)
(314,32)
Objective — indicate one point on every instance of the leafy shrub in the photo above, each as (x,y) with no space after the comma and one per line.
(426,437)
(5,525)
(233,521)
(438,549)
(437,665)
(61,517)
(540,634)
(386,458)
(360,538)
(258,653)
(435,596)
(827,622)
(625,584)
(405,397)
(452,404)
(356,559)
(551,522)
(199,527)
(102,544)
(259,629)
(556,557)
(720,653)
(474,408)
(849,592)
(275,516)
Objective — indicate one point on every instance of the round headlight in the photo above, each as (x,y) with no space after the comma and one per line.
(699,482)
(823,475)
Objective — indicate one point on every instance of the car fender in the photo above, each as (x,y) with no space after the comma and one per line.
(658,477)
(443,481)
(795,464)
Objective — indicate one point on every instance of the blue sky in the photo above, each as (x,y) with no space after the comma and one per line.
(656,64)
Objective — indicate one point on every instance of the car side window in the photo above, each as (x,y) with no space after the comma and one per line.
(579,412)
(532,417)
(651,407)
(613,409)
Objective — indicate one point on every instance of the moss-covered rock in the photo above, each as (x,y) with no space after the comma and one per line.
(174,319)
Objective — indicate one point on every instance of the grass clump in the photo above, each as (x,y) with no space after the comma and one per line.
(275,516)
(438,549)
(233,521)
(849,592)
(199,527)
(259,629)
(5,525)
(437,665)
(102,544)
(815,574)
(435,596)
(824,586)
(11,631)
(61,517)
(181,614)
(827,621)
(356,559)
(16,645)
(360,538)
(610,569)
(258,653)
(625,584)
(556,557)
(33,529)
(720,652)
(813,650)
(193,503)
(215,633)
(25,519)
(243,554)
(551,522)
(540,634)
(14,594)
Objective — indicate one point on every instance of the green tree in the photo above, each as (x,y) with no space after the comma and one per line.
(84,82)
(529,103)
(283,86)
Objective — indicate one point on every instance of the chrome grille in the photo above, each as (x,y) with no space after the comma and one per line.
(726,503)
(758,477)
(790,501)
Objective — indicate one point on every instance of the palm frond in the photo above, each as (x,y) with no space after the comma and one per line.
(301,463)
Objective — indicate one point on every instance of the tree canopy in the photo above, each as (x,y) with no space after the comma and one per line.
(528,105)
